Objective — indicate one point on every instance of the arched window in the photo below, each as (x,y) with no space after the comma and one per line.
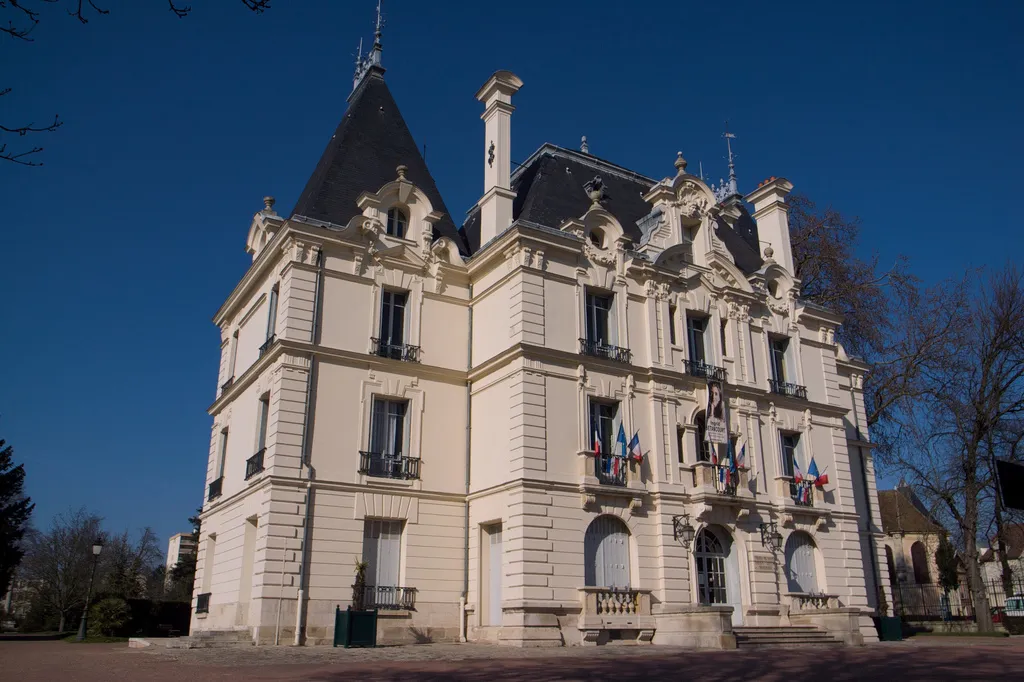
(606,553)
(919,556)
(597,238)
(801,572)
(710,555)
(703,447)
(397,222)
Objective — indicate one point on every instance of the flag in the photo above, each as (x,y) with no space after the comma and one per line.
(733,467)
(620,440)
(597,443)
(812,469)
(822,480)
(615,465)
(742,459)
(798,476)
(635,453)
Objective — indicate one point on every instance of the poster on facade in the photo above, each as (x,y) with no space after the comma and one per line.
(716,429)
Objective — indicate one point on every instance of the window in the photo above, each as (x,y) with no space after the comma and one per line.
(710,555)
(392,317)
(703,447)
(680,432)
(695,328)
(724,330)
(597,238)
(599,315)
(672,324)
(606,553)
(790,445)
(919,557)
(602,424)
(262,418)
(222,454)
(232,354)
(272,313)
(397,222)
(382,546)
(389,434)
(801,574)
(778,358)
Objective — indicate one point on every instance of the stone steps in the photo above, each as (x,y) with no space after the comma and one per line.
(792,637)
(209,639)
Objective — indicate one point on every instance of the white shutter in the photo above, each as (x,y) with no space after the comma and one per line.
(800,570)
(388,553)
(371,533)
(606,551)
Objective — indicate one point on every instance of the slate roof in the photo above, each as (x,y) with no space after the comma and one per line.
(902,512)
(371,141)
(549,190)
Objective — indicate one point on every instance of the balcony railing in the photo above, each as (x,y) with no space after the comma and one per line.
(267,344)
(389,466)
(802,494)
(791,390)
(203,603)
(600,350)
(254,464)
(215,489)
(696,368)
(387,598)
(611,469)
(726,481)
(396,351)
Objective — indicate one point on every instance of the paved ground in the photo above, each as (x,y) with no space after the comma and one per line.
(922,659)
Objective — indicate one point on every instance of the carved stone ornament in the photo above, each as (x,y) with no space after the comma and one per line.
(598,256)
(656,290)
(635,505)
(371,228)
(588,500)
(692,202)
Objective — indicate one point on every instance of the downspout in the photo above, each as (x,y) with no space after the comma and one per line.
(304,541)
(463,626)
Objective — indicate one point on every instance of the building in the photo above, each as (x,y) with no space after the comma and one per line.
(180,545)
(429,397)
(911,537)
(992,567)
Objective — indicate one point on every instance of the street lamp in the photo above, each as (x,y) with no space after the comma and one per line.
(681,529)
(97,547)
(771,538)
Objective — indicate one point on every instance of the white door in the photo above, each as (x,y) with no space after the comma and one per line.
(800,571)
(496,569)
(606,552)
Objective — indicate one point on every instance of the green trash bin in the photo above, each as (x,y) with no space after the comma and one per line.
(355,628)
(890,628)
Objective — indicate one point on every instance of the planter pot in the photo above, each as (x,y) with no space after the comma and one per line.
(890,628)
(355,628)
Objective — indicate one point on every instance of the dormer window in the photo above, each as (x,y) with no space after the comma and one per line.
(597,238)
(397,222)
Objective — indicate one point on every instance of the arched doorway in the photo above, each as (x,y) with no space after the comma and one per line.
(801,569)
(606,553)
(717,571)
(919,557)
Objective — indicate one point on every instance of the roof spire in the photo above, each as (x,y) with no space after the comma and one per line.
(729,137)
(584,147)
(377,47)
(373,58)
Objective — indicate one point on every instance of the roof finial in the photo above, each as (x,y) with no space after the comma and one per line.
(729,137)
(680,163)
(377,34)
(584,147)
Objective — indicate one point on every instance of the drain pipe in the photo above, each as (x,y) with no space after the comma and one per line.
(463,626)
(306,464)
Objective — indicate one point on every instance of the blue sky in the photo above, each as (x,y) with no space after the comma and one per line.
(119,250)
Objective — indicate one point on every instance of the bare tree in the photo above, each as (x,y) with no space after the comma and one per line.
(953,420)
(20,18)
(58,561)
(129,563)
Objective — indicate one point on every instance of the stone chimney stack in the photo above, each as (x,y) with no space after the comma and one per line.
(496,203)
(772,216)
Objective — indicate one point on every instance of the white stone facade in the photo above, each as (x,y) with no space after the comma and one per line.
(489,524)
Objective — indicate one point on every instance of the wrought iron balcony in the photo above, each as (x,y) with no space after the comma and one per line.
(389,466)
(386,598)
(396,351)
(791,390)
(267,344)
(611,469)
(254,464)
(696,368)
(227,384)
(802,494)
(203,603)
(726,481)
(215,489)
(600,350)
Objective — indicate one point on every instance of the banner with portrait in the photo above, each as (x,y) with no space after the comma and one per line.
(716,426)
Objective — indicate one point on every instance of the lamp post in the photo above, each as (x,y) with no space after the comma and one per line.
(97,547)
(771,538)
(682,530)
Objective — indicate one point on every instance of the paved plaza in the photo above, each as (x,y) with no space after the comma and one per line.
(922,659)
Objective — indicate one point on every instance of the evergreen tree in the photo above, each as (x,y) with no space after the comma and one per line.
(946,561)
(15,510)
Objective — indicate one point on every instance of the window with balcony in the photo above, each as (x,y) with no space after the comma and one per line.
(609,465)
(602,334)
(397,222)
(254,464)
(217,484)
(382,548)
(778,352)
(724,334)
(271,321)
(389,456)
(672,324)
(697,364)
(702,447)
(790,450)
(391,341)
(232,355)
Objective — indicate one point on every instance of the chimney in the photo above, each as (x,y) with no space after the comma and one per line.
(772,217)
(496,203)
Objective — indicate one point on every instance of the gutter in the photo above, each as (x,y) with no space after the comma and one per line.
(463,626)
(310,408)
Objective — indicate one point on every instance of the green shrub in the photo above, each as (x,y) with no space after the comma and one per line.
(1014,624)
(108,616)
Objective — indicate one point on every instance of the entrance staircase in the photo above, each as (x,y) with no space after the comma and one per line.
(788,637)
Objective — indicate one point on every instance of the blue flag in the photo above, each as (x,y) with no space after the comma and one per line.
(621,440)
